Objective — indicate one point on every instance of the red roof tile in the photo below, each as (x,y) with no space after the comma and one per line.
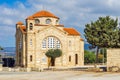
(19,23)
(30,18)
(23,29)
(71,31)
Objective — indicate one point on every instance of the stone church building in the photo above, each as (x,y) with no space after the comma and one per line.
(41,32)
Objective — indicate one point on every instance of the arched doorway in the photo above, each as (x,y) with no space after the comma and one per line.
(76,59)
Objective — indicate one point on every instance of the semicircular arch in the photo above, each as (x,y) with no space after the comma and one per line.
(51,42)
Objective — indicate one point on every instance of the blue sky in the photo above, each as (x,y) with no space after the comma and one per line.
(72,13)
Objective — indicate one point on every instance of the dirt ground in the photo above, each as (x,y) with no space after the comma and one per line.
(59,75)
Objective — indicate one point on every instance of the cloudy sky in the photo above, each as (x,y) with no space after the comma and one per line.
(72,13)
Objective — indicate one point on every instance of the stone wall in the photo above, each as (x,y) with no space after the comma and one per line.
(113,59)
(0,67)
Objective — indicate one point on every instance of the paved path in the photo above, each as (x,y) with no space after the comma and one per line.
(59,75)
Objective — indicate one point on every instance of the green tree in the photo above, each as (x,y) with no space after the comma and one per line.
(89,57)
(103,33)
(103,52)
(100,58)
(53,54)
(0,54)
(1,48)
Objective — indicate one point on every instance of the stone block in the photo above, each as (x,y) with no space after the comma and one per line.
(28,69)
(115,69)
(113,60)
(0,67)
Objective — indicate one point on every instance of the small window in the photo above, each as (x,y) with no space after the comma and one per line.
(44,44)
(56,21)
(37,21)
(31,26)
(69,58)
(31,42)
(20,45)
(20,58)
(48,21)
(69,43)
(31,58)
(76,58)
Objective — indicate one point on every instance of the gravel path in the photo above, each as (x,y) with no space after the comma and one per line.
(59,75)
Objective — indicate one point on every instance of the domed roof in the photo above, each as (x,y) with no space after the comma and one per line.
(42,13)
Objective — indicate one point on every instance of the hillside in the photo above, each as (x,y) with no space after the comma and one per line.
(10,51)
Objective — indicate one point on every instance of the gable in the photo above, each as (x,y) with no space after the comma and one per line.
(51,29)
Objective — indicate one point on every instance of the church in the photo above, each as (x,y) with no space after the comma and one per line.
(41,32)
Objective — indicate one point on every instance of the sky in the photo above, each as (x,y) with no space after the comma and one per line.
(72,13)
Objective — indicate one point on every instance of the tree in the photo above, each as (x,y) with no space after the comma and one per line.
(1,55)
(100,58)
(103,33)
(89,57)
(103,52)
(53,54)
(1,48)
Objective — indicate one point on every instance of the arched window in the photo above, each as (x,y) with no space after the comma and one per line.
(37,21)
(31,26)
(51,42)
(48,21)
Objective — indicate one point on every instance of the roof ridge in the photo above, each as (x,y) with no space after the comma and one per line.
(71,31)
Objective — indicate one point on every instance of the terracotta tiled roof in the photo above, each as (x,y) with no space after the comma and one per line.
(23,29)
(71,31)
(19,23)
(81,39)
(30,18)
(42,13)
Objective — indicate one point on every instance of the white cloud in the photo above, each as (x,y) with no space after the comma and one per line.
(113,3)
(7,36)
(73,13)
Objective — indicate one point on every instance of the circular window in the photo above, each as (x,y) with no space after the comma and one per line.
(37,21)
(48,21)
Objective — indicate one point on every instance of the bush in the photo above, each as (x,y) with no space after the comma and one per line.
(89,57)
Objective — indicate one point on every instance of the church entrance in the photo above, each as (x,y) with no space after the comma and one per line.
(76,59)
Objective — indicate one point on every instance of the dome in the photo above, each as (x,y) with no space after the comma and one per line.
(42,13)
